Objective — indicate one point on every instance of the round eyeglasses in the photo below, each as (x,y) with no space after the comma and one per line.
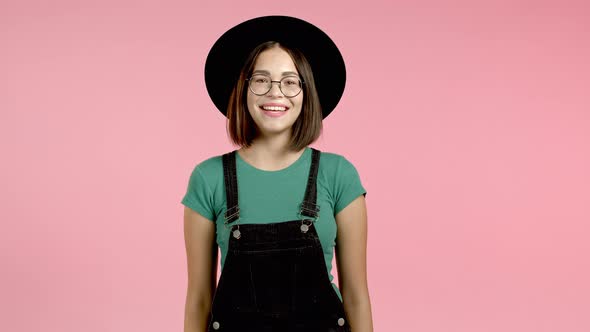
(260,85)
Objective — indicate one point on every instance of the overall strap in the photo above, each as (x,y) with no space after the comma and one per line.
(231,187)
(308,206)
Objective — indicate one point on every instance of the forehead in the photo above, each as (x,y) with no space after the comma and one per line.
(274,61)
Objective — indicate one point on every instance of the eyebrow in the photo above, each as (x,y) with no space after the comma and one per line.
(285,73)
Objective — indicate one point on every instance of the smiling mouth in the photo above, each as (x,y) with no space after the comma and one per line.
(274,108)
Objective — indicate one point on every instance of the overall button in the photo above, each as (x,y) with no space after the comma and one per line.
(304,228)
(216,325)
(237,234)
(340,321)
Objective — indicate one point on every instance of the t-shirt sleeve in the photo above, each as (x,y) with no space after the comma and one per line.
(198,195)
(347,186)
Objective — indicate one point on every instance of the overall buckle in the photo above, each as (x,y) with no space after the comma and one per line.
(312,215)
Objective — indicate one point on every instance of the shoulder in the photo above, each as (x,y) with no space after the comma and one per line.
(344,181)
(211,164)
(335,162)
(209,169)
(338,170)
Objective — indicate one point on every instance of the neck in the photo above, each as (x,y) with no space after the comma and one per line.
(270,153)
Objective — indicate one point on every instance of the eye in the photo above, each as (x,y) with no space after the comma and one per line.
(260,79)
(290,81)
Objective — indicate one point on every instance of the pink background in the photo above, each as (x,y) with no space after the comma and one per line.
(468,122)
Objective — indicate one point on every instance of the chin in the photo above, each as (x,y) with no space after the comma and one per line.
(274,130)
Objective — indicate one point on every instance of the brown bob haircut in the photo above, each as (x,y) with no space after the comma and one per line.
(306,129)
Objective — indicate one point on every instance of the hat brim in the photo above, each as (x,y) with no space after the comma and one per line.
(229,53)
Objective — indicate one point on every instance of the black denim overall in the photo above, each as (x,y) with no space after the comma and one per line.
(274,277)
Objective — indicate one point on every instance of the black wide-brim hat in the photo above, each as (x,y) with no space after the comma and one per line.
(229,53)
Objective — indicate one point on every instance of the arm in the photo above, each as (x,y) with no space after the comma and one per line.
(201,253)
(351,257)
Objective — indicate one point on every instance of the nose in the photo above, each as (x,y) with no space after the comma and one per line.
(275,91)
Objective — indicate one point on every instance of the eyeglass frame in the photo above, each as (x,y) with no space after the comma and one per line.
(271,82)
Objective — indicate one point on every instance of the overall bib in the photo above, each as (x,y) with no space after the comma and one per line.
(274,277)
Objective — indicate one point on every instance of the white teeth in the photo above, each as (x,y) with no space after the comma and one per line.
(274,108)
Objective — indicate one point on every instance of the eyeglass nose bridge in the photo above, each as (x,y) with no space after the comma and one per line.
(279,85)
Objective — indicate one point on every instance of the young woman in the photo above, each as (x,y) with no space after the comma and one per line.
(276,208)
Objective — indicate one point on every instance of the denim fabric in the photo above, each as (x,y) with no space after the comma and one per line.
(275,278)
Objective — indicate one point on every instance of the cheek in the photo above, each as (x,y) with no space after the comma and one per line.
(250,102)
(299,101)
(299,106)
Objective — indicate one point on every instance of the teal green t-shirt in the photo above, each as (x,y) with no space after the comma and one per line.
(274,196)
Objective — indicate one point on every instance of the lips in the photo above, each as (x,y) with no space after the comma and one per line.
(274,107)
